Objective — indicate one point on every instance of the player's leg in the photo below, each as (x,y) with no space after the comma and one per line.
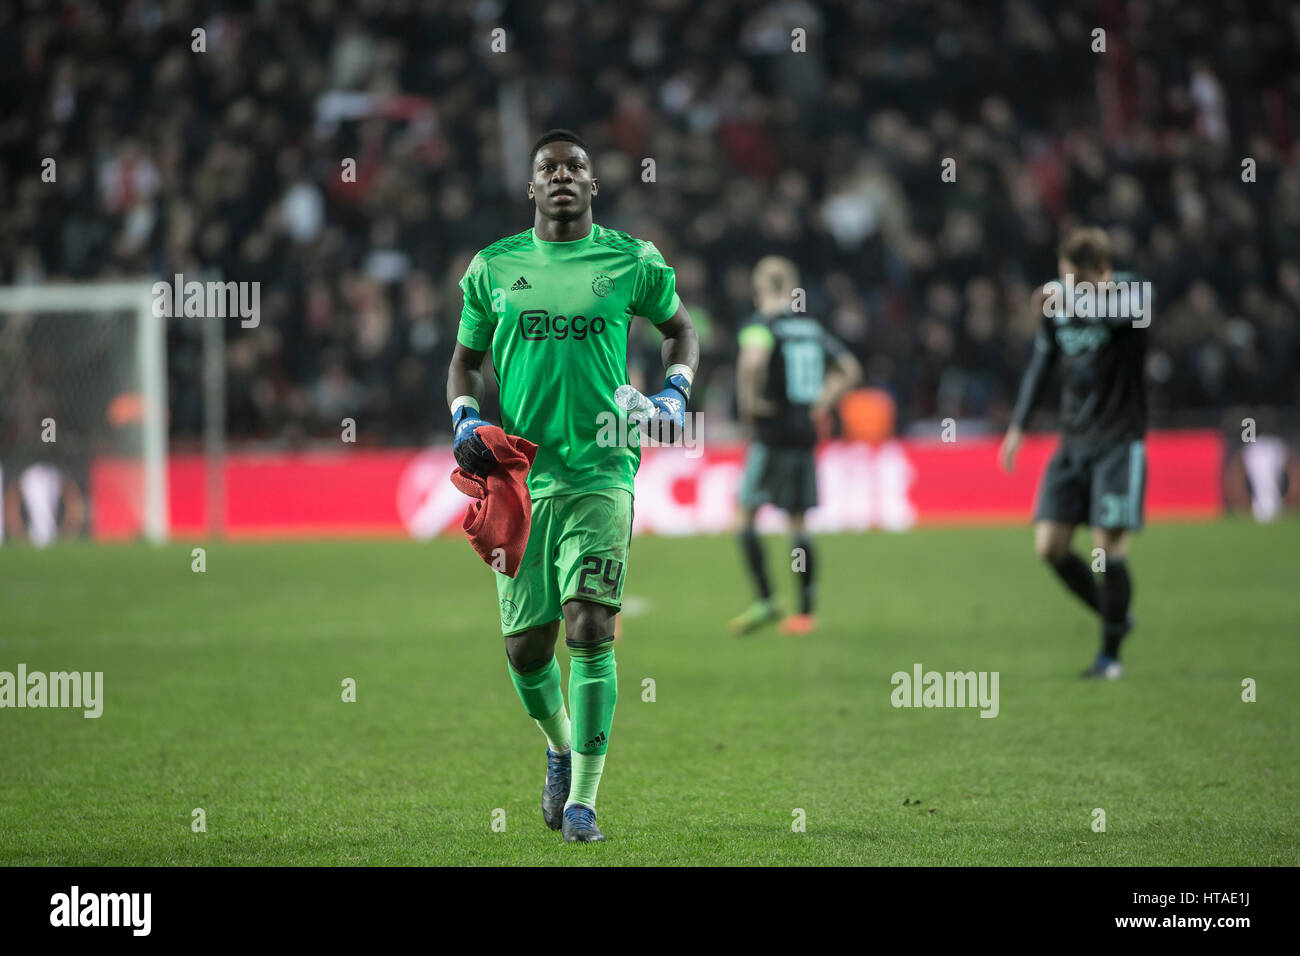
(536,675)
(764,609)
(752,551)
(1116,598)
(530,621)
(803,561)
(1052,545)
(754,492)
(798,495)
(1119,485)
(593,695)
(593,542)
(1063,504)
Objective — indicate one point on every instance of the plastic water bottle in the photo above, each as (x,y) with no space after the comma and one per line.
(636,406)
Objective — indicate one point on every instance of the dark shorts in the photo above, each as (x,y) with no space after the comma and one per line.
(1102,487)
(784,477)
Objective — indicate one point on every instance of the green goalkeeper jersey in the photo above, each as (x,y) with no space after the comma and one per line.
(556,317)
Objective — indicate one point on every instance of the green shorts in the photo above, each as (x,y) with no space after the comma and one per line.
(577,548)
(1104,487)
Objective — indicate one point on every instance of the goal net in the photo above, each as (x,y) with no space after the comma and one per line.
(83,413)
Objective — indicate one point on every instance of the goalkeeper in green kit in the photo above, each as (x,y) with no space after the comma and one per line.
(553,304)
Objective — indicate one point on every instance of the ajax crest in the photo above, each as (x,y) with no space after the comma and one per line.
(509,611)
(602,285)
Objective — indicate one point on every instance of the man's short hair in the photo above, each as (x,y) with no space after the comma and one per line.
(1088,248)
(776,275)
(557,136)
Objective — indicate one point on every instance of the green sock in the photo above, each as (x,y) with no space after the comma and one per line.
(556,728)
(593,692)
(543,699)
(586,779)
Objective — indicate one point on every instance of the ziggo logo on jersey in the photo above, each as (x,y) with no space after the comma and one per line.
(536,325)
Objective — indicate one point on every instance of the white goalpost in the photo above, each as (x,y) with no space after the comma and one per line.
(83,401)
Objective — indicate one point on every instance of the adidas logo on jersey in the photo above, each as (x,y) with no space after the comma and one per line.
(522,283)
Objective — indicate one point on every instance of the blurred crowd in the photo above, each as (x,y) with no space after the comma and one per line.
(226,162)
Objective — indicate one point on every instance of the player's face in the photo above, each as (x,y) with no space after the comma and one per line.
(562,184)
(1066,267)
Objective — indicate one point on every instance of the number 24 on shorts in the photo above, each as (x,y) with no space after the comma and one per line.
(609,570)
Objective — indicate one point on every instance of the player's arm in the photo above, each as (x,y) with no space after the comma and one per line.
(1032,385)
(681,343)
(465,375)
(844,373)
(655,297)
(756,346)
(464,398)
(681,357)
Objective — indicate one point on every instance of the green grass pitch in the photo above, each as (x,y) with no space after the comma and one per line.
(223,691)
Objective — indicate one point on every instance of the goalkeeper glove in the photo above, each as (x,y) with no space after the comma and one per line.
(471,453)
(670,403)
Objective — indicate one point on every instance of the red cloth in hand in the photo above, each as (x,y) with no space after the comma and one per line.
(498,520)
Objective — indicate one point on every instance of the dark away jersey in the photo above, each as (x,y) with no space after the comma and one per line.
(1101,358)
(555,316)
(796,371)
